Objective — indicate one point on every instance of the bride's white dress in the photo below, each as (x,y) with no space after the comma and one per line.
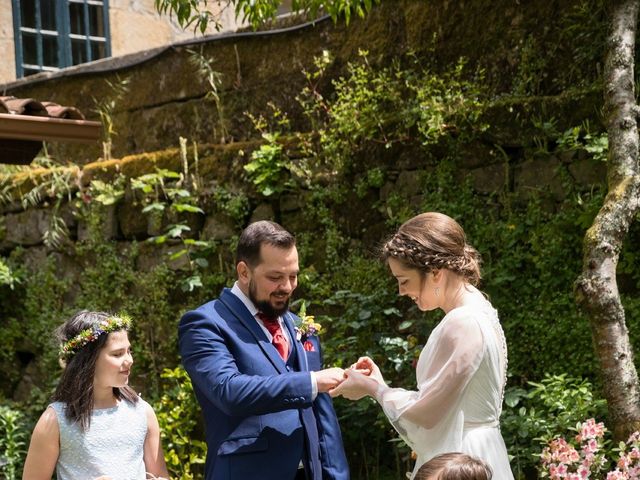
(460,375)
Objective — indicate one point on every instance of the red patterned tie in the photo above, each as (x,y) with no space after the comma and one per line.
(279,340)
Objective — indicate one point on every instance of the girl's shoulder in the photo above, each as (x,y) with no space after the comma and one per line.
(138,404)
(56,408)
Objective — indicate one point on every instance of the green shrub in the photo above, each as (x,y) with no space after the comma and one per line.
(550,408)
(13,442)
(179,417)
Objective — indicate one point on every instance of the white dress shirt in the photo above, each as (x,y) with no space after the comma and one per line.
(285,331)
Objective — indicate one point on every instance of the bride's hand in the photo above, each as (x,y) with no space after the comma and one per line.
(355,385)
(366,364)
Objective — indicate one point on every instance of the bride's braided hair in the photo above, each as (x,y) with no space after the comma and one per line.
(432,241)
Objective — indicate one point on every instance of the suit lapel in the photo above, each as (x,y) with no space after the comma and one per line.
(300,353)
(238,310)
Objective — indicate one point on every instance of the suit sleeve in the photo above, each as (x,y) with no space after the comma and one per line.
(332,455)
(214,372)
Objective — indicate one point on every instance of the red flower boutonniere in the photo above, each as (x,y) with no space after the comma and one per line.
(308,346)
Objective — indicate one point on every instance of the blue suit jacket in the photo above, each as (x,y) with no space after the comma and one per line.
(260,419)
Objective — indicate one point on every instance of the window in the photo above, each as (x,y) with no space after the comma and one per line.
(53,34)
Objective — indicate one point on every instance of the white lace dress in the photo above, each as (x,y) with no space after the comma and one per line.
(460,375)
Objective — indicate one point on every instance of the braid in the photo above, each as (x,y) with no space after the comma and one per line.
(415,255)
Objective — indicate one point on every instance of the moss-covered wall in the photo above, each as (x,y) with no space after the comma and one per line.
(165,96)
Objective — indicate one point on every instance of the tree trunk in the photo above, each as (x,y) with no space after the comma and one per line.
(596,288)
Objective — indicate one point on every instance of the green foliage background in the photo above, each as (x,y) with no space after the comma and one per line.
(366,126)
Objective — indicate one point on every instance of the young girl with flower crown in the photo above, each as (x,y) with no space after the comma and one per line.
(97,426)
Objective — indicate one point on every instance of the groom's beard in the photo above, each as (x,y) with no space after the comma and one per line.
(265,305)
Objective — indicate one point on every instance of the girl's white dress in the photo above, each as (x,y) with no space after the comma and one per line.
(113,445)
(460,374)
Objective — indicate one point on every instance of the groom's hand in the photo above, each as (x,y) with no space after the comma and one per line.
(329,378)
(368,367)
(355,386)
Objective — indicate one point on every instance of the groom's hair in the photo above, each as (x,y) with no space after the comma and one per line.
(454,466)
(258,234)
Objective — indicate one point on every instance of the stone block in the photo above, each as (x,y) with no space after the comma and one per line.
(409,182)
(491,178)
(108,224)
(538,175)
(587,171)
(291,202)
(132,222)
(151,255)
(264,211)
(159,222)
(25,228)
(217,228)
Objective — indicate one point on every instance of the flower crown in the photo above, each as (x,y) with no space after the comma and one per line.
(88,335)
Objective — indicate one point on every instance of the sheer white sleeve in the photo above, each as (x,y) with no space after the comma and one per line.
(447,363)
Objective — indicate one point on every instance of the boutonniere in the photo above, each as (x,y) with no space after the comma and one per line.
(306,327)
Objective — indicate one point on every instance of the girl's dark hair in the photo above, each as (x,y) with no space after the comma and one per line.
(75,387)
(454,466)
(431,241)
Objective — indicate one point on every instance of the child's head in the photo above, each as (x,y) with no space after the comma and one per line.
(454,466)
(95,350)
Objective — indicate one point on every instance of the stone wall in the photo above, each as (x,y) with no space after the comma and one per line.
(166,95)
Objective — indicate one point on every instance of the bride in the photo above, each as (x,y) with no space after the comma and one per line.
(461,371)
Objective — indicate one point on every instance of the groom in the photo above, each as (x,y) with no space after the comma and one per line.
(267,413)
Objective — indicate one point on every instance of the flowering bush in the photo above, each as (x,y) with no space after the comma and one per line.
(586,458)
(628,466)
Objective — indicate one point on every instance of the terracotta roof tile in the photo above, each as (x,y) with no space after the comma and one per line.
(29,106)
(25,123)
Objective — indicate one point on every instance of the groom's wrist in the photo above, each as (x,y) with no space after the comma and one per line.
(314,385)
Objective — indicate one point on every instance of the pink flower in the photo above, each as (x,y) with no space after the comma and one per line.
(591,429)
(583,472)
(616,475)
(591,446)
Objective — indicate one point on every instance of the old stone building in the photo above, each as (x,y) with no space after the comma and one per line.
(48,35)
